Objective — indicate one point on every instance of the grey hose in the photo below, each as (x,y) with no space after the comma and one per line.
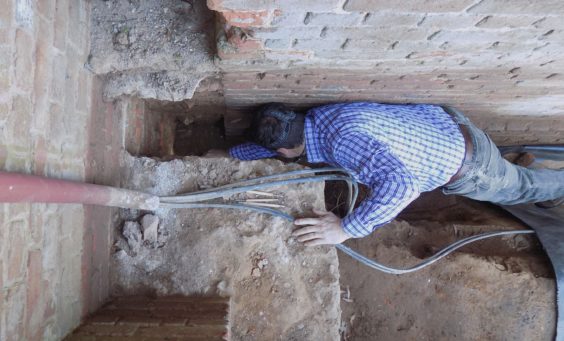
(191,201)
(209,195)
(442,253)
(231,206)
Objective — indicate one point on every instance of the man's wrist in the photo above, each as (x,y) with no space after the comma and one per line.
(353,227)
(345,231)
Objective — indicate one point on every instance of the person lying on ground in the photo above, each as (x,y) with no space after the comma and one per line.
(399,151)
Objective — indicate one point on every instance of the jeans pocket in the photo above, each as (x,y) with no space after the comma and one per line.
(461,187)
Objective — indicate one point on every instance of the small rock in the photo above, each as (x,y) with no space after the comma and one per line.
(121,40)
(121,255)
(132,233)
(262,263)
(255,272)
(223,289)
(150,225)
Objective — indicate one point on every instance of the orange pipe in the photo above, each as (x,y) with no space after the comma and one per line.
(15,187)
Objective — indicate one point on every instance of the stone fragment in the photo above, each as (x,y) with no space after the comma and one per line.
(132,233)
(256,272)
(150,225)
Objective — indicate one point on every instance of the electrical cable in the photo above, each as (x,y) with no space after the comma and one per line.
(274,176)
(193,200)
(266,210)
(241,189)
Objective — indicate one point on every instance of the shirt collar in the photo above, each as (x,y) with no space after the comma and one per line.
(312,141)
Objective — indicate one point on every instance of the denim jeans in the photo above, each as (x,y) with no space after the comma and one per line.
(492,178)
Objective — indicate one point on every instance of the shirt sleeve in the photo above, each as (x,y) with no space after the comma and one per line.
(251,151)
(392,186)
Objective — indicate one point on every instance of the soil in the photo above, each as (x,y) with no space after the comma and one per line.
(279,290)
(152,49)
(500,289)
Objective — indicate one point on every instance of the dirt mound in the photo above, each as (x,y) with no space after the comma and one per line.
(152,49)
(279,290)
(498,289)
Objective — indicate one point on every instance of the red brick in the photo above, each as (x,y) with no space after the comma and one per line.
(77,23)
(232,54)
(16,249)
(59,73)
(425,6)
(132,300)
(5,63)
(285,6)
(288,55)
(40,155)
(246,18)
(60,23)
(43,68)
(107,330)
(517,7)
(218,321)
(145,321)
(46,9)
(95,257)
(2,296)
(540,125)
(182,331)
(71,82)
(518,124)
(6,17)
(215,5)
(244,45)
(34,305)
(174,321)
(236,44)
(56,128)
(81,337)
(14,313)
(103,319)
(23,66)
(49,250)
(191,299)
(84,91)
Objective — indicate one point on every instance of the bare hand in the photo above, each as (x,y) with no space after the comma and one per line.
(325,229)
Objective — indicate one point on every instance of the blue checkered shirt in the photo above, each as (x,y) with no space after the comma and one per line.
(399,151)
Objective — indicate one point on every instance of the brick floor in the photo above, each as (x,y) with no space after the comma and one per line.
(162,318)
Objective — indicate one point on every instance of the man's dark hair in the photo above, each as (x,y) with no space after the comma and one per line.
(277,126)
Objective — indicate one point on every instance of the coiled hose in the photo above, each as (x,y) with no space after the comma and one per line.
(197,200)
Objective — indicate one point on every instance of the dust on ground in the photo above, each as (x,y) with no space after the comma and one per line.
(499,289)
(279,290)
(152,49)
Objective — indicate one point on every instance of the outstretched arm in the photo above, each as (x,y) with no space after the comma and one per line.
(392,189)
(251,151)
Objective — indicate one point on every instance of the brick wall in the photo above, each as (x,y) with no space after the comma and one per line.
(304,88)
(163,318)
(45,104)
(492,59)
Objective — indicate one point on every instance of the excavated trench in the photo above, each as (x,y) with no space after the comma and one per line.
(157,59)
(504,281)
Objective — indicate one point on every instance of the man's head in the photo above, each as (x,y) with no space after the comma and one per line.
(279,128)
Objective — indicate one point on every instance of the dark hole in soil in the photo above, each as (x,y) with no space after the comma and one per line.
(197,138)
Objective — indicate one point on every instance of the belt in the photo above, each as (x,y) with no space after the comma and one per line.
(469,147)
